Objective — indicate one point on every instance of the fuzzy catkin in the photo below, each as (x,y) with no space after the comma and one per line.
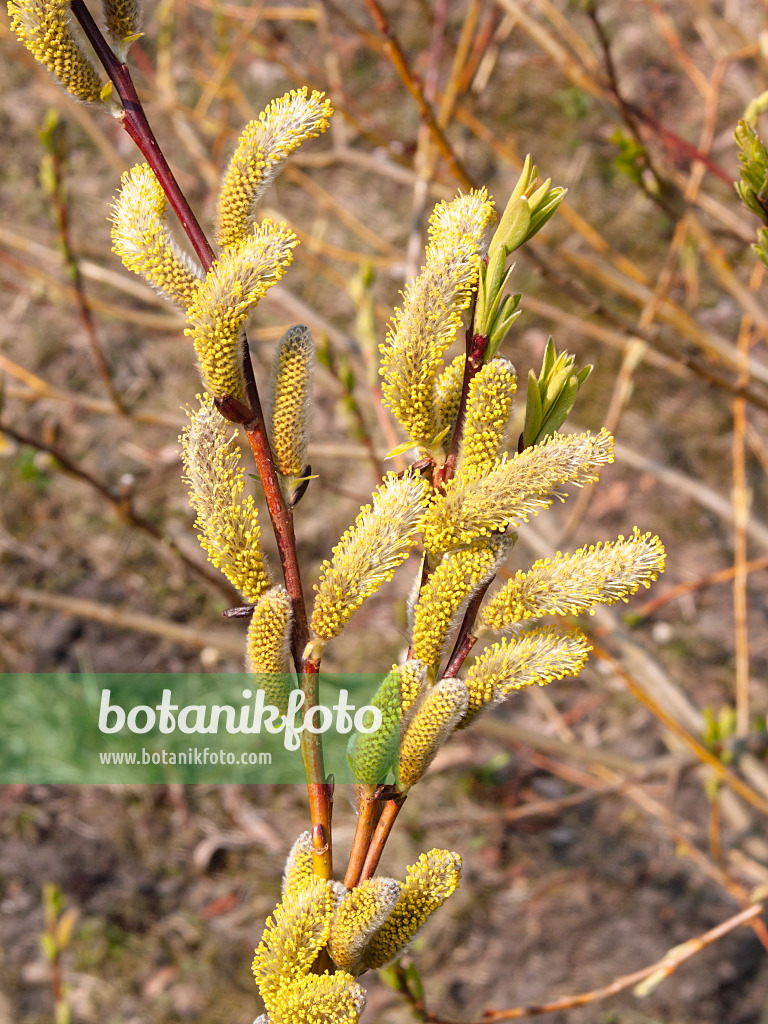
(43,27)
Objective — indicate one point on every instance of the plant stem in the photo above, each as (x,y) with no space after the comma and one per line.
(135,122)
(395,53)
(367,816)
(381,835)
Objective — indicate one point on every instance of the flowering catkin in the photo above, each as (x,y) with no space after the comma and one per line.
(538,656)
(358,917)
(262,148)
(489,403)
(430,316)
(291,400)
(236,282)
(456,577)
(123,20)
(143,241)
(427,886)
(570,584)
(433,720)
(368,553)
(228,523)
(513,489)
(43,27)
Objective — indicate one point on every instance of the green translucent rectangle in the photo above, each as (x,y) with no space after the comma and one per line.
(185,728)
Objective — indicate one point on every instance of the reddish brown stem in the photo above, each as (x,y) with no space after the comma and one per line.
(381,835)
(137,126)
(395,53)
(135,122)
(477,345)
(367,817)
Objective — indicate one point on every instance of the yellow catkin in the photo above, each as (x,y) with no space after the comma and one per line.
(456,577)
(570,584)
(369,552)
(489,403)
(432,722)
(299,870)
(142,239)
(236,282)
(428,885)
(268,646)
(294,934)
(358,917)
(43,27)
(538,656)
(514,489)
(319,999)
(447,399)
(123,20)
(413,680)
(262,148)
(228,523)
(291,400)
(431,313)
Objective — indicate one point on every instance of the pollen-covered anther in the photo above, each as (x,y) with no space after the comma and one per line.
(538,656)
(299,870)
(455,579)
(228,523)
(431,313)
(513,489)
(428,885)
(262,148)
(291,400)
(358,917)
(489,403)
(294,934)
(369,552)
(43,27)
(143,241)
(447,399)
(236,282)
(433,720)
(570,584)
(319,999)
(413,681)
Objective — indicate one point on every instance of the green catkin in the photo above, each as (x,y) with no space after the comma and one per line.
(372,754)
